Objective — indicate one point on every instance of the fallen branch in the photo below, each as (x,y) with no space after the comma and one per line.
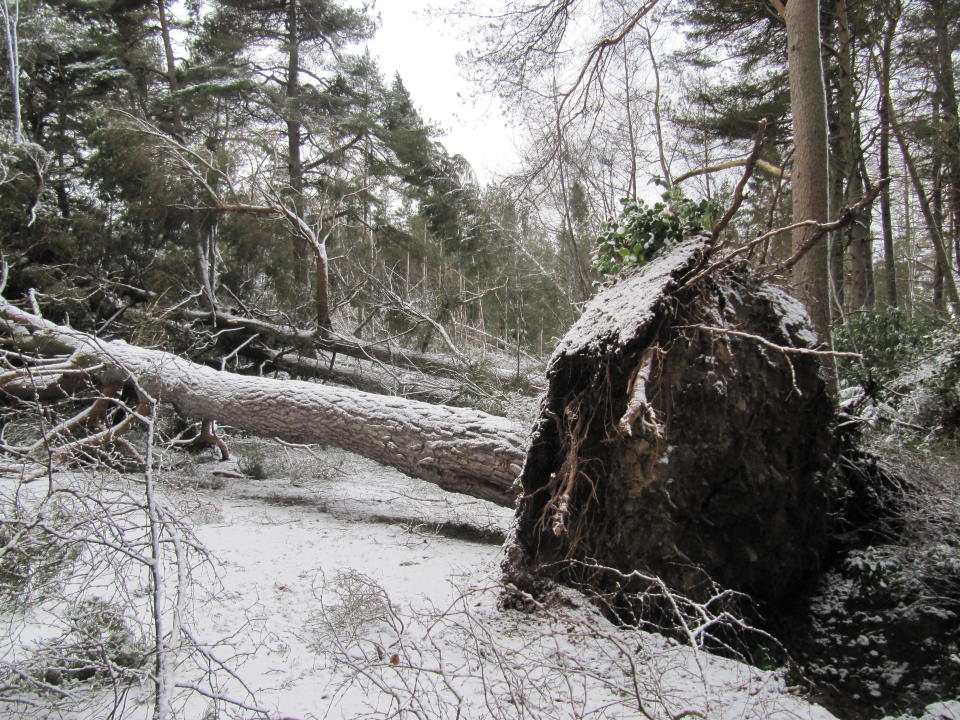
(752,161)
(773,346)
(786,350)
(767,167)
(846,217)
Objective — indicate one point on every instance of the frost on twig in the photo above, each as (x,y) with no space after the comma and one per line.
(469,659)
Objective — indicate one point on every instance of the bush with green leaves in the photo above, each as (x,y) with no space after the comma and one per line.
(888,342)
(642,232)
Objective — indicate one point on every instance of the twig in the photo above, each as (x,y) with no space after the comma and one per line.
(785,350)
(772,345)
(846,217)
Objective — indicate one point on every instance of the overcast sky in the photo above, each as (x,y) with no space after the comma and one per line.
(423,49)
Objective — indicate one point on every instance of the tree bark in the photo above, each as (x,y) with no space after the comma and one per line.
(808,106)
(947,92)
(886,216)
(934,229)
(461,450)
(294,131)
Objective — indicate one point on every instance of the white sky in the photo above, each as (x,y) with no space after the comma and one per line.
(424,51)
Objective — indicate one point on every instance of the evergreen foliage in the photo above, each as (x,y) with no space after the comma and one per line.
(889,341)
(642,232)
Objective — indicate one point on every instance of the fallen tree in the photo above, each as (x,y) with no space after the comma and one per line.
(277,335)
(685,435)
(686,431)
(459,449)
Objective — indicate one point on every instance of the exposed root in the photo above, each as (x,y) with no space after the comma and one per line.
(638,406)
(207,437)
(573,427)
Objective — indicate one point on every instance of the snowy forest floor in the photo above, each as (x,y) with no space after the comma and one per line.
(333,587)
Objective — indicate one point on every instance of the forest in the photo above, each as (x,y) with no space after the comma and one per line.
(302,416)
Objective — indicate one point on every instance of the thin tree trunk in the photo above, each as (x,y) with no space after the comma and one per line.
(932,227)
(947,92)
(861,295)
(631,132)
(11,27)
(908,238)
(322,286)
(582,286)
(171,70)
(459,449)
(204,261)
(810,158)
(886,216)
(936,205)
(844,153)
(658,125)
(294,132)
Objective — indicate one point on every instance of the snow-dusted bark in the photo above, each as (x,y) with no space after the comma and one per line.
(459,449)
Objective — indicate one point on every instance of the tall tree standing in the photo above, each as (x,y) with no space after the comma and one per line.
(808,105)
(892,19)
(949,121)
(10,11)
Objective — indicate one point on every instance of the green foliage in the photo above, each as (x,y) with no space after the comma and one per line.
(32,559)
(887,340)
(98,646)
(643,232)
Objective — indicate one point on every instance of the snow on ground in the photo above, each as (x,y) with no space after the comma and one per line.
(344,589)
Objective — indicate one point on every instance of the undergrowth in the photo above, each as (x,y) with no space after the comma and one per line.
(889,341)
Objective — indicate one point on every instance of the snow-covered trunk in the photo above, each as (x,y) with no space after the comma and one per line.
(459,449)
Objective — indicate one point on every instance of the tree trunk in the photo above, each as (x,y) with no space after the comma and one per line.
(11,30)
(808,106)
(861,295)
(171,69)
(321,287)
(886,216)
(461,450)
(935,234)
(204,259)
(844,156)
(294,132)
(947,92)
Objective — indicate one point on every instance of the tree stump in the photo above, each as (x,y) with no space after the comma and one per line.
(672,442)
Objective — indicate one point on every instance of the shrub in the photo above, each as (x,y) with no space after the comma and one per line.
(32,560)
(643,232)
(888,341)
(99,645)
